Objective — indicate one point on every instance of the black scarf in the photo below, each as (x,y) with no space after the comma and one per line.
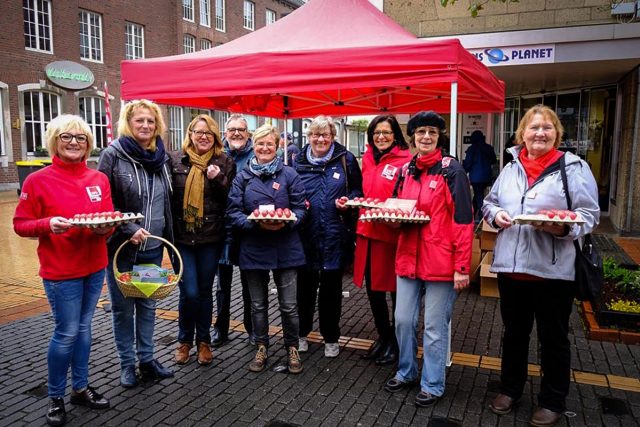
(377,154)
(152,161)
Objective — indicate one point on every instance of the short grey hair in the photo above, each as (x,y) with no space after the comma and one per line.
(236,117)
(321,123)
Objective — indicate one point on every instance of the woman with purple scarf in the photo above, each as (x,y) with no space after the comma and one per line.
(139,174)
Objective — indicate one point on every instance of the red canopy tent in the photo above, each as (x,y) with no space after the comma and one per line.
(337,57)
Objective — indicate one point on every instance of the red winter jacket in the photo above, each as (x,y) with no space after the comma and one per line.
(433,251)
(64,189)
(378,181)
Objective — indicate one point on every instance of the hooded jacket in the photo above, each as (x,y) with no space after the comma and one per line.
(524,249)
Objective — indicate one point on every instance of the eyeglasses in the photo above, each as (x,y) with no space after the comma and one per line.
(234,130)
(68,137)
(545,129)
(326,136)
(265,144)
(199,133)
(384,133)
(420,133)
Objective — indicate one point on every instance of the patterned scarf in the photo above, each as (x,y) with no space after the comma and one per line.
(193,203)
(320,161)
(260,169)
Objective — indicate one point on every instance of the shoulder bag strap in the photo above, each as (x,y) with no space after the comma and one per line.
(565,183)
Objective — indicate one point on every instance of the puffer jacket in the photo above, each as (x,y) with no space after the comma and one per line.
(130,193)
(265,249)
(215,199)
(325,234)
(522,248)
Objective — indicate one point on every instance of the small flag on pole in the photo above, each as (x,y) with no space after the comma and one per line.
(107,108)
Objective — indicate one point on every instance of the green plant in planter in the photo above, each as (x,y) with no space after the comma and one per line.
(41,152)
(96,152)
(625,306)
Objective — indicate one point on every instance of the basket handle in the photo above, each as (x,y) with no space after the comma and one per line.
(150,236)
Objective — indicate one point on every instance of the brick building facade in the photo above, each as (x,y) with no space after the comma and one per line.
(98,35)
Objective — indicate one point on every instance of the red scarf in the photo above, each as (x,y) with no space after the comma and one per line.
(425,161)
(534,167)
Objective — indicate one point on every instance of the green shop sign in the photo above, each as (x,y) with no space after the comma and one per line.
(69,75)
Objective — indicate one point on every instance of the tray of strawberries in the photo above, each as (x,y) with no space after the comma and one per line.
(364,202)
(396,215)
(549,217)
(272,215)
(104,219)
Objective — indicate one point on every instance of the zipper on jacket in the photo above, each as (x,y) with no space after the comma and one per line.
(554,259)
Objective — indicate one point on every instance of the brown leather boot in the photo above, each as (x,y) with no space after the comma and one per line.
(543,417)
(182,353)
(204,354)
(502,404)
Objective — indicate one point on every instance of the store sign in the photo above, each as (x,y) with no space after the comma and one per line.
(515,55)
(69,75)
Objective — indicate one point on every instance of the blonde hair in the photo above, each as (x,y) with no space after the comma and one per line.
(320,123)
(124,129)
(212,125)
(545,112)
(64,123)
(266,130)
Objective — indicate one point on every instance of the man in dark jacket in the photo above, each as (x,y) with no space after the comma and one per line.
(478,161)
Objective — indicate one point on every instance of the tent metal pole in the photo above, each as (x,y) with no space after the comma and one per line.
(285,103)
(453,135)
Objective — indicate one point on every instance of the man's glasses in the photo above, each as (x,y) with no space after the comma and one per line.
(234,130)
(384,133)
(68,137)
(326,136)
(199,133)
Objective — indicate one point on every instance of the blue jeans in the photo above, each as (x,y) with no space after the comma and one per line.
(73,302)
(196,291)
(439,298)
(122,313)
(285,279)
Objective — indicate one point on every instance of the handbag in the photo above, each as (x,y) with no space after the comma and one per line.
(589,272)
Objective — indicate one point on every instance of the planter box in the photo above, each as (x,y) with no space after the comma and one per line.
(619,319)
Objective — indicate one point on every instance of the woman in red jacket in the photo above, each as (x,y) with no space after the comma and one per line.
(376,243)
(432,258)
(72,259)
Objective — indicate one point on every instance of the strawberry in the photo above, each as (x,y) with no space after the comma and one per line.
(572,215)
(562,214)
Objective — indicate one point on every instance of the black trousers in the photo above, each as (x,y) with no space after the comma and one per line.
(549,302)
(385,324)
(223,300)
(478,198)
(326,286)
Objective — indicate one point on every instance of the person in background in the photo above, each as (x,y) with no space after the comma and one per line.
(433,258)
(139,172)
(376,243)
(238,146)
(286,139)
(330,175)
(508,157)
(265,246)
(202,175)
(72,259)
(536,264)
(478,161)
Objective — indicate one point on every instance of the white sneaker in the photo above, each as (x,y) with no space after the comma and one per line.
(303,345)
(331,349)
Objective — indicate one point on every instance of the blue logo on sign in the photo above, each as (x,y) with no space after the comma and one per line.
(496,55)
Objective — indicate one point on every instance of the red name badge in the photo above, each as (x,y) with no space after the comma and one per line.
(276,186)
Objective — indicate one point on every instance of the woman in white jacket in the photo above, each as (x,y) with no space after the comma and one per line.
(536,264)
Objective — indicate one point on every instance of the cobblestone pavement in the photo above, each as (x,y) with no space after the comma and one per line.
(605,389)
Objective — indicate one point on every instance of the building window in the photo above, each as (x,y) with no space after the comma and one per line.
(92,110)
(221,117)
(187,10)
(134,46)
(3,91)
(189,43)
(270,17)
(205,13)
(176,128)
(249,15)
(90,36)
(37,25)
(220,25)
(205,44)
(39,109)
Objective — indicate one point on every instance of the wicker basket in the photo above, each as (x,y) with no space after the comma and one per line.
(130,290)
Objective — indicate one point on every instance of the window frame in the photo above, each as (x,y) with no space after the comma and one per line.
(99,130)
(188,8)
(205,12)
(37,25)
(5,132)
(249,15)
(176,130)
(220,21)
(205,41)
(192,46)
(273,14)
(133,37)
(40,124)
(91,37)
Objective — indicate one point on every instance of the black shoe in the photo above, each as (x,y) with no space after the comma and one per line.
(89,397)
(389,355)
(394,385)
(375,350)
(252,339)
(218,339)
(128,377)
(56,414)
(424,399)
(153,371)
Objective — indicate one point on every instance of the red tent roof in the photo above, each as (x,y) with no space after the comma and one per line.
(338,57)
